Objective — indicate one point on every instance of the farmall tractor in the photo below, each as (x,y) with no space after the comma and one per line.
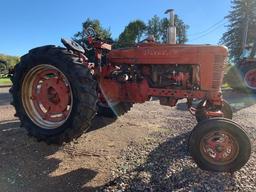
(58,91)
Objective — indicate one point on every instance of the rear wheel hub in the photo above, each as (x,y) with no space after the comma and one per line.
(47,96)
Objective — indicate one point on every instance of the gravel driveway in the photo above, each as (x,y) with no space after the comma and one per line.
(163,163)
(144,150)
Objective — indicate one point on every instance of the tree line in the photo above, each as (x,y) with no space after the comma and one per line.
(10,61)
(7,63)
(241,13)
(136,31)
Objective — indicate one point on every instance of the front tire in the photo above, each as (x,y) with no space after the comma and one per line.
(219,145)
(54,94)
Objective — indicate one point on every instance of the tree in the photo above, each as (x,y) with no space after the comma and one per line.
(181,30)
(132,33)
(158,28)
(155,27)
(9,61)
(95,24)
(243,11)
(136,30)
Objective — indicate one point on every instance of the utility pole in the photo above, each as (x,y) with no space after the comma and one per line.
(245,35)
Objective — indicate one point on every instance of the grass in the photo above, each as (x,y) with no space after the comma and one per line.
(225,86)
(5,81)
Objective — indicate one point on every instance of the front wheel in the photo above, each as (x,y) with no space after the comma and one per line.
(54,94)
(219,145)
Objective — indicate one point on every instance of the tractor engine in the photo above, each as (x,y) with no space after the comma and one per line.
(159,76)
(177,67)
(126,73)
(175,76)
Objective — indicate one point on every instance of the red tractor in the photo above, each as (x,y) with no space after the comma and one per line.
(58,91)
(247,67)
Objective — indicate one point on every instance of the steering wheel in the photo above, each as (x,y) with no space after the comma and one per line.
(72,45)
(90,32)
(150,38)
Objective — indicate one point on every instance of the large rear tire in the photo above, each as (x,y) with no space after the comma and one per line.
(54,94)
(219,145)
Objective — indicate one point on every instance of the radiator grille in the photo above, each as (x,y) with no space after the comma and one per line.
(218,71)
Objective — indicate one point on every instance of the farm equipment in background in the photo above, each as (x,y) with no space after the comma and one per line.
(58,91)
(247,67)
(3,69)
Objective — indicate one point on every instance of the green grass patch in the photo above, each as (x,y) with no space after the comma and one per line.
(5,81)
(225,86)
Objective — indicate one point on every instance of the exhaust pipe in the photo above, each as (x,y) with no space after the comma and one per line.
(171,31)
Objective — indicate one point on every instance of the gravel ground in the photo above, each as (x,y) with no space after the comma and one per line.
(144,150)
(162,162)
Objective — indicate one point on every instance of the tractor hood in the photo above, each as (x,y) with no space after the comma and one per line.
(152,53)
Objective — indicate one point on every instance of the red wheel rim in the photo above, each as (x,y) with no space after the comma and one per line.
(250,79)
(47,96)
(219,147)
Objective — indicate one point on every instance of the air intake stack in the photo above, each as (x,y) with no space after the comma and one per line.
(171,31)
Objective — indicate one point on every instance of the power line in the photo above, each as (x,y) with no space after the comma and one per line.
(214,29)
(206,30)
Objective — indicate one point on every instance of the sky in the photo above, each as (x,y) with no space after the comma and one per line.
(25,24)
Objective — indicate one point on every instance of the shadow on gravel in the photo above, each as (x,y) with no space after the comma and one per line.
(170,168)
(5,99)
(9,125)
(100,122)
(27,166)
(173,155)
